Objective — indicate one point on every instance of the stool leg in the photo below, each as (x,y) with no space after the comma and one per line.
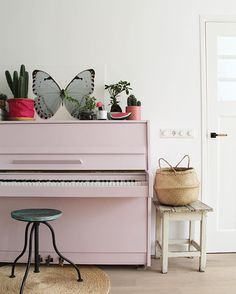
(60,255)
(202,259)
(158,234)
(165,243)
(191,234)
(29,259)
(36,248)
(22,253)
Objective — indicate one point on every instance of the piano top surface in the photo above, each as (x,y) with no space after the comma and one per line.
(75,122)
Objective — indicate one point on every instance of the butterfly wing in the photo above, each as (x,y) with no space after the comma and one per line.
(81,86)
(48,94)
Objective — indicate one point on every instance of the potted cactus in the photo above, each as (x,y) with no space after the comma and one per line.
(20,107)
(115,90)
(133,106)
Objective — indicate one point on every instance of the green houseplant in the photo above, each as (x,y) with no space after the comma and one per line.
(87,110)
(114,91)
(20,107)
(133,106)
(3,99)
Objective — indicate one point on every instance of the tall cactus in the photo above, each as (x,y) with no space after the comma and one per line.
(132,101)
(19,83)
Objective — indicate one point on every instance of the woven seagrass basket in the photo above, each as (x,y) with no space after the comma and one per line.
(176,186)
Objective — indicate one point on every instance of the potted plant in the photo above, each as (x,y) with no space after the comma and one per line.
(3,99)
(133,106)
(114,91)
(87,110)
(101,113)
(20,107)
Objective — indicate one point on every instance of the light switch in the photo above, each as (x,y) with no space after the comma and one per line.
(177,133)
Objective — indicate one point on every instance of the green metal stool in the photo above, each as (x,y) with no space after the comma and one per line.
(35,217)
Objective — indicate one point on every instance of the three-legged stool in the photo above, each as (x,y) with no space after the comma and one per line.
(35,217)
(193,212)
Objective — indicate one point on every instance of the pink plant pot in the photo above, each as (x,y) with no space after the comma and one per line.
(135,112)
(21,108)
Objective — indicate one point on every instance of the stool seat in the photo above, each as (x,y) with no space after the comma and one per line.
(36,214)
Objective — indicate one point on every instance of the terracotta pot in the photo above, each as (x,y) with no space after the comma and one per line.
(135,112)
(21,108)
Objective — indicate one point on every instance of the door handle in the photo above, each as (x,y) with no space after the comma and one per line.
(214,135)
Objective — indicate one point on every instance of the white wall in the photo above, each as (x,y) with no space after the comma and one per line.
(154,44)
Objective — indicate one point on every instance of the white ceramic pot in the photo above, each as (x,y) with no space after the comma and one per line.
(102,114)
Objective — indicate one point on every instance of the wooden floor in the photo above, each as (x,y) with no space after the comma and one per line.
(182,277)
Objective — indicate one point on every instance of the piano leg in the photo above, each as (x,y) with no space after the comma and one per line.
(59,254)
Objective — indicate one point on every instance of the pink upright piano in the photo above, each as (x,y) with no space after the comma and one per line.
(96,172)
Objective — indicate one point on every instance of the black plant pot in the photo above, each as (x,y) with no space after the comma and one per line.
(116,108)
(86,115)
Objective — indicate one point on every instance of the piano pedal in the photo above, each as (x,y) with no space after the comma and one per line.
(48,260)
(61,261)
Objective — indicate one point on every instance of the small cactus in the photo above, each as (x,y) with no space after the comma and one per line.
(132,101)
(19,83)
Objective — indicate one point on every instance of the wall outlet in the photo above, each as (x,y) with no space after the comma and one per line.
(177,133)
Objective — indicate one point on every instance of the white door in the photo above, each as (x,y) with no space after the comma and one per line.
(220,151)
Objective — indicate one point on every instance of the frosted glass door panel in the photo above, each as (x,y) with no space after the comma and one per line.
(226,45)
(226,68)
(226,90)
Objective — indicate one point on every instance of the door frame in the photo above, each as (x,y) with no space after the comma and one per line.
(203,20)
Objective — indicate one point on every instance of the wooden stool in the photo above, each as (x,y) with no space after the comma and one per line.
(195,211)
(35,217)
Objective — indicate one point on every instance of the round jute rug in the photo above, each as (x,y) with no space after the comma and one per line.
(55,280)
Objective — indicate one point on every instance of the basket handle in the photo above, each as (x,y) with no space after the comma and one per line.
(159,162)
(185,156)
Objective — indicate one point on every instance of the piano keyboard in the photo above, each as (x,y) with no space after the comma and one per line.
(81,184)
(70,183)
